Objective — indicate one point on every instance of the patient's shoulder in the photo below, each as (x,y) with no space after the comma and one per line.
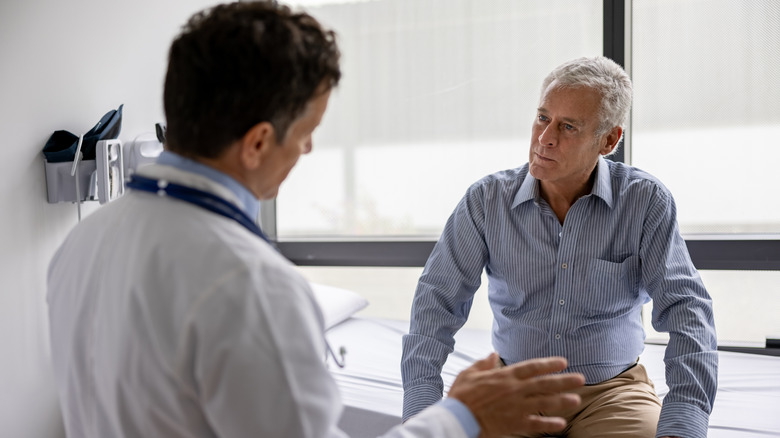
(500,187)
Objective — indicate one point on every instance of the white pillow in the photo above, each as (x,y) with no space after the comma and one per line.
(337,304)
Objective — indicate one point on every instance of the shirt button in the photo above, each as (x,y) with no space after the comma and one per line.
(560,234)
(564,265)
(557,336)
(561,302)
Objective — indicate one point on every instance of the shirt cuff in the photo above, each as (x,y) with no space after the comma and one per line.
(682,419)
(419,397)
(464,416)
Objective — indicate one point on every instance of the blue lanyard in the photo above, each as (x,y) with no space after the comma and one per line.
(202,199)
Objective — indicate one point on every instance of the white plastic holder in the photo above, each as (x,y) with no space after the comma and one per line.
(64,180)
(110,171)
(79,181)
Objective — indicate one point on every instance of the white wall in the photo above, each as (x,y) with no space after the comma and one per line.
(62,66)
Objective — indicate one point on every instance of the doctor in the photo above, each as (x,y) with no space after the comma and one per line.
(171,314)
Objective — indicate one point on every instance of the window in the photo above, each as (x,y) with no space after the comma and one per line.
(435,94)
(706,118)
(438,93)
(706,121)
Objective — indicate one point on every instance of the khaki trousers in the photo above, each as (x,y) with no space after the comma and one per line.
(623,406)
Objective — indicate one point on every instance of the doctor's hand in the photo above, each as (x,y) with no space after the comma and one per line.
(508,400)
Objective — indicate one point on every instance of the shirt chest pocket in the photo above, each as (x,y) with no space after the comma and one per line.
(612,287)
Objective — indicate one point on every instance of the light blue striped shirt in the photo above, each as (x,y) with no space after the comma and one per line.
(574,290)
(251,205)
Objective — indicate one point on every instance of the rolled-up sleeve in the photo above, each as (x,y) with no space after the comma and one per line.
(683,308)
(442,303)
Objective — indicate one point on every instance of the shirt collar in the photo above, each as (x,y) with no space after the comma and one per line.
(602,186)
(251,205)
(528,191)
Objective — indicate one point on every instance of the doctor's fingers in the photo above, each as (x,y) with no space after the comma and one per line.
(490,391)
(489,363)
(536,367)
(549,384)
(518,414)
(481,377)
(531,399)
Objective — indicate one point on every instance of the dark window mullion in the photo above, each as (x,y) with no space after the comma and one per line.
(615,47)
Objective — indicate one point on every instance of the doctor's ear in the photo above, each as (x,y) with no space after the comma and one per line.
(255,145)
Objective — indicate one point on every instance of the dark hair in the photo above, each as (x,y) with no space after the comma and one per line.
(236,65)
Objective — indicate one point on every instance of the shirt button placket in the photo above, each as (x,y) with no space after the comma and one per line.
(561,302)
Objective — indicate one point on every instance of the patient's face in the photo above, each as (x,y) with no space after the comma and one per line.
(297,141)
(564,146)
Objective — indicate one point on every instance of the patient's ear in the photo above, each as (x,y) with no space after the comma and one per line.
(612,139)
(255,145)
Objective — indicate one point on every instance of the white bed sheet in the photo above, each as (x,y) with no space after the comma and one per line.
(747,404)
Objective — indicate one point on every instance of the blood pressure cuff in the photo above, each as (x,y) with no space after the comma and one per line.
(62,145)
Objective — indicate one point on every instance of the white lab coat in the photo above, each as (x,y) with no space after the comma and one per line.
(169,320)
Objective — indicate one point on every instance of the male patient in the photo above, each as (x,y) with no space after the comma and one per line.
(172,316)
(573,245)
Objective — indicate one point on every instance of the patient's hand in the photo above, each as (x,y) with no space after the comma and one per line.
(507,400)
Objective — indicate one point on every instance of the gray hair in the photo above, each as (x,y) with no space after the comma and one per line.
(603,75)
